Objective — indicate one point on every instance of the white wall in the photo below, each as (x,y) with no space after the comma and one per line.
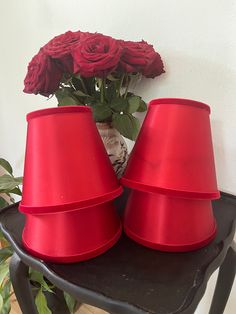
(195,38)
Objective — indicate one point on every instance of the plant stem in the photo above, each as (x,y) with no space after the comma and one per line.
(102,91)
(127,87)
(120,85)
(71,84)
(135,81)
(83,85)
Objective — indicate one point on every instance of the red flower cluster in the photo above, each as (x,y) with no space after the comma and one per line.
(90,55)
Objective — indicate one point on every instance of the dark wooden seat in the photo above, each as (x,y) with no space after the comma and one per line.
(130,278)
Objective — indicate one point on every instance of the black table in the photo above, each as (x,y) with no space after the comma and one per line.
(130,278)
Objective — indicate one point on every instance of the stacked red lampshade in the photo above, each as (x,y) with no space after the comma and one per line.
(68,189)
(171,173)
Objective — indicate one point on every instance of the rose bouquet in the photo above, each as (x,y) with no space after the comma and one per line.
(99,71)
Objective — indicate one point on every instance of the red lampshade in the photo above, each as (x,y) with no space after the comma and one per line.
(173,154)
(66,165)
(72,236)
(169,223)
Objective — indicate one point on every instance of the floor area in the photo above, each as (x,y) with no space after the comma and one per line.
(84,309)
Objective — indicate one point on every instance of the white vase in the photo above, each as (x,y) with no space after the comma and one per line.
(115,145)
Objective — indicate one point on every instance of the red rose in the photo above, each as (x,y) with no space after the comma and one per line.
(96,55)
(141,57)
(155,67)
(60,48)
(61,45)
(43,76)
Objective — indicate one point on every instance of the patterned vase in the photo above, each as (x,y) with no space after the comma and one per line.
(115,145)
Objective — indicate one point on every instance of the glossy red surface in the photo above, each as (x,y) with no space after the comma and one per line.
(71,206)
(167,223)
(173,153)
(66,162)
(72,236)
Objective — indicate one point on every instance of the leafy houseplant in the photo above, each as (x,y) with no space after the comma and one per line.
(10,185)
(95,70)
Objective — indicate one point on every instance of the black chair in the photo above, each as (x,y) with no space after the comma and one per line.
(132,279)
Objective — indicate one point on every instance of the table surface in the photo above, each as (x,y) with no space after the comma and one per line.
(130,278)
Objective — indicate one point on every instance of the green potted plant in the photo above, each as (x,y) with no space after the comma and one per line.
(95,70)
(42,288)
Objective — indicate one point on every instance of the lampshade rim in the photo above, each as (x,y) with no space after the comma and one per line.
(172,247)
(57,110)
(76,257)
(180,101)
(210,195)
(42,210)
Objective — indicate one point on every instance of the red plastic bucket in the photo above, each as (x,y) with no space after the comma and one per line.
(167,223)
(72,236)
(66,163)
(173,154)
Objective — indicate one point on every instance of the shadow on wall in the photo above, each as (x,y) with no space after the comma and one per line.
(219,149)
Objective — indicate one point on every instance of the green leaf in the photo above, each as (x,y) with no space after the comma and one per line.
(1,303)
(3,240)
(77,83)
(4,272)
(101,112)
(66,78)
(112,78)
(119,104)
(70,302)
(7,183)
(5,293)
(110,92)
(5,164)
(6,289)
(68,101)
(96,96)
(90,84)
(41,303)
(142,106)
(38,277)
(3,202)
(64,91)
(6,309)
(126,124)
(133,104)
(86,84)
(5,253)
(1,235)
(16,191)
(80,94)
(65,97)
